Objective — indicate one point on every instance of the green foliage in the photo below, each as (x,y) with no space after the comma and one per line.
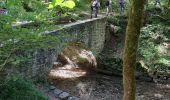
(62,6)
(147,47)
(18,11)
(107,61)
(118,20)
(19,89)
(166,12)
(82,4)
(15,41)
(154,36)
(113,20)
(151,46)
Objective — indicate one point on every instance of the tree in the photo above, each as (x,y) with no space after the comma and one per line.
(130,49)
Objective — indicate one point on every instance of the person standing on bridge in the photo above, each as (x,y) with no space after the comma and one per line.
(108,7)
(3,11)
(95,4)
(122,6)
(157,2)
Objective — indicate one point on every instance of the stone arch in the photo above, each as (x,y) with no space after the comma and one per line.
(74,61)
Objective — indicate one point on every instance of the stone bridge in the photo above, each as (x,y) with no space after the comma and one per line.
(90,32)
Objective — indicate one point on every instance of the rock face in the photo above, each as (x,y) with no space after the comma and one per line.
(73,62)
(62,59)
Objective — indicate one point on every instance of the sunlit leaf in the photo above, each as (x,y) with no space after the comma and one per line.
(57,2)
(50,6)
(68,4)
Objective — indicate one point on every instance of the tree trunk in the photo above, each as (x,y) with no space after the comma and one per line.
(130,49)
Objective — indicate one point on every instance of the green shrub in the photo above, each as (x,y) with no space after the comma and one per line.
(118,21)
(150,46)
(19,89)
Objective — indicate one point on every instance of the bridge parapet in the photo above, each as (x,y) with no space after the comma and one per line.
(90,32)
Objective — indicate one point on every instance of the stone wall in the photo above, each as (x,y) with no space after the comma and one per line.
(89,32)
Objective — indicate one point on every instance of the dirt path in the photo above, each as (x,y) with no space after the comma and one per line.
(101,87)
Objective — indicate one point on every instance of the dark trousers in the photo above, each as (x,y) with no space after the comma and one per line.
(122,7)
(94,11)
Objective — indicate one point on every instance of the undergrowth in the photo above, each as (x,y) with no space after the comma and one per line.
(153,42)
(19,89)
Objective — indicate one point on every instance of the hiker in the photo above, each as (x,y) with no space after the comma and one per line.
(108,7)
(122,6)
(95,4)
(157,2)
(3,11)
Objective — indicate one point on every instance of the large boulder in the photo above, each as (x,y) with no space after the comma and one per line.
(78,57)
(73,62)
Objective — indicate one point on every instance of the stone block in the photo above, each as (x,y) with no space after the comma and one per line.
(52,87)
(73,98)
(57,92)
(64,95)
